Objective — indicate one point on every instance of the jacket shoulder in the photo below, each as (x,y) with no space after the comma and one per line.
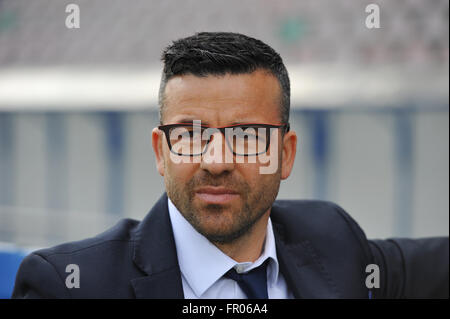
(304,219)
(121,232)
(44,272)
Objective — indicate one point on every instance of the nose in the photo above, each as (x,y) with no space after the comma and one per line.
(217,158)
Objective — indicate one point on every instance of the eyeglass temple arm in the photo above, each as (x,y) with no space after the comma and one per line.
(288,127)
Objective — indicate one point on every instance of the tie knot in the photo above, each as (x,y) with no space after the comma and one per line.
(253,283)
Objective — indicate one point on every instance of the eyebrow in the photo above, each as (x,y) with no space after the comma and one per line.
(189,120)
(243,122)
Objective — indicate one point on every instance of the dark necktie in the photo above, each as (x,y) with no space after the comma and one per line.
(253,283)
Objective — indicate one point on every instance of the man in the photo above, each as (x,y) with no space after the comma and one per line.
(223,147)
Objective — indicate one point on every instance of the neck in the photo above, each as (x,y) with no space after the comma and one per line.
(249,246)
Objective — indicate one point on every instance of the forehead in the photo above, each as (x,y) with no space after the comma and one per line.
(253,97)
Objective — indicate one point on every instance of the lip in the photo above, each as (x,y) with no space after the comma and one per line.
(216,195)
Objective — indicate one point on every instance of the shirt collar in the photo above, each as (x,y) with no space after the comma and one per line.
(202,263)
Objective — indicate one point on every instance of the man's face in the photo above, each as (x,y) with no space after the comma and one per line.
(223,200)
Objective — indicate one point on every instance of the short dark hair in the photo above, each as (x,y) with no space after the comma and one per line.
(219,53)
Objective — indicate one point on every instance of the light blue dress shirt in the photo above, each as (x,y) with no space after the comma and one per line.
(202,264)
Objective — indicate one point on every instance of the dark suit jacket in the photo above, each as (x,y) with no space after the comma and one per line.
(322,253)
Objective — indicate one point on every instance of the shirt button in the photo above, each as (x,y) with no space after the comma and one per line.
(240,268)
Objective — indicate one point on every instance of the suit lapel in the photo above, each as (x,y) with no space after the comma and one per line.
(155,254)
(164,285)
(302,268)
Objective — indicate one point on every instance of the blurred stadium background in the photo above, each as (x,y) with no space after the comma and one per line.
(77,107)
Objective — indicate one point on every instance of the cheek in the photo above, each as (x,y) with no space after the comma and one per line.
(251,175)
(254,176)
(178,172)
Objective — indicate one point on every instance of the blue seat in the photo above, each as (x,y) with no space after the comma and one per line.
(10,259)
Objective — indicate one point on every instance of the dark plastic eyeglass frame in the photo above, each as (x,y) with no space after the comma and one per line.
(167,127)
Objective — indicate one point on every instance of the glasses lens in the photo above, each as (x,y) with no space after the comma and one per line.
(247,141)
(186,140)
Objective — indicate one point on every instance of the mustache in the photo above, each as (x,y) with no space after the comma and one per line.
(225,179)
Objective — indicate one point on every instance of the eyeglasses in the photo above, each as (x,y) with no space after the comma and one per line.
(192,139)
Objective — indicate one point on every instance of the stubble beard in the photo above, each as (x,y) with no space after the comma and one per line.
(241,219)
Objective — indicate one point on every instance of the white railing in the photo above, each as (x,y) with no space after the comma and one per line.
(38,227)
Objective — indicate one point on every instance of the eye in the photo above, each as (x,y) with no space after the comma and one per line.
(246,132)
(182,132)
(193,132)
(187,133)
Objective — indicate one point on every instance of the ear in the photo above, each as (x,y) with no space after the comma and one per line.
(288,153)
(157,144)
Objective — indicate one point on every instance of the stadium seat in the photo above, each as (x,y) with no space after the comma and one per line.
(10,259)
